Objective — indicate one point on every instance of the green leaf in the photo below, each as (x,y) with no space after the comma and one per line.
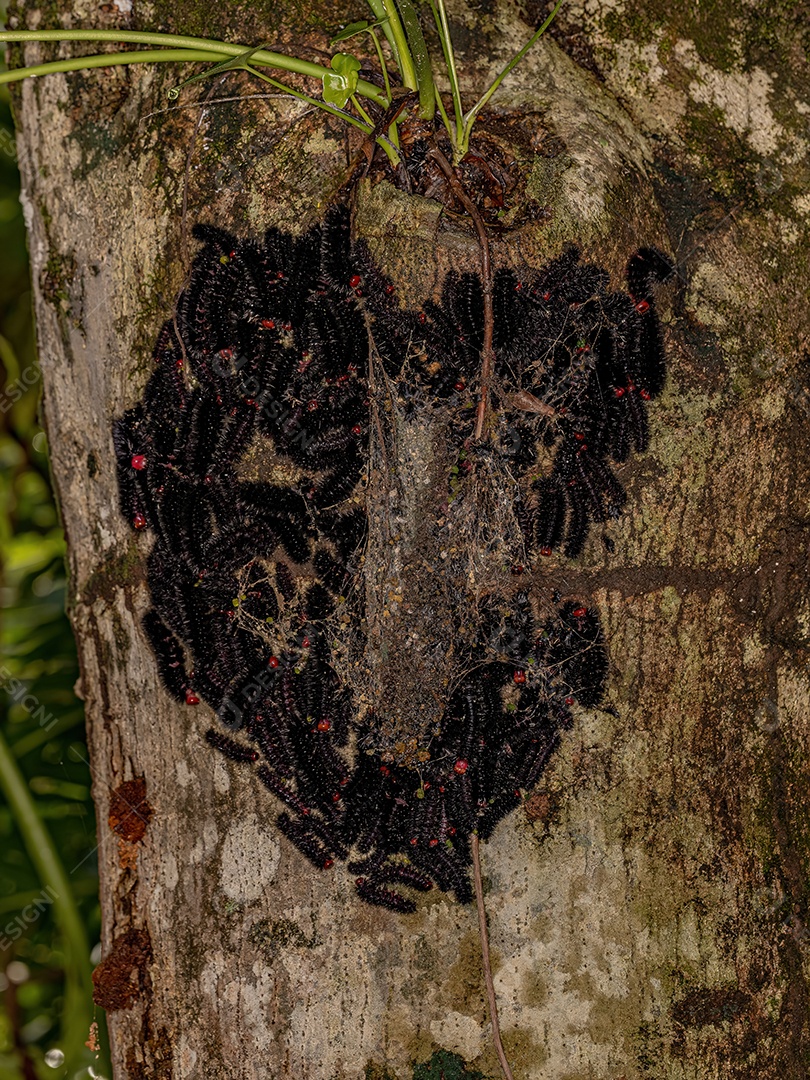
(355,28)
(240,61)
(347,65)
(339,85)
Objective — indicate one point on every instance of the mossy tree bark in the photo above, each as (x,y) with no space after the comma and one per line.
(648,906)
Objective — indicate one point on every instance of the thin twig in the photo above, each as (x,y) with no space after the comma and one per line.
(214,101)
(487,352)
(482,930)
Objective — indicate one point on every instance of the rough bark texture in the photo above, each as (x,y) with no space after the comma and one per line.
(648,907)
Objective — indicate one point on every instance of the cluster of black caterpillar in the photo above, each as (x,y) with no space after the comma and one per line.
(267,360)
(591,360)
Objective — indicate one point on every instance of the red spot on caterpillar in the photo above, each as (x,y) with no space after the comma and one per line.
(324,725)
(519,677)
(354,280)
(579,612)
(461,766)
(414,841)
(139,521)
(226,354)
(191,698)
(642,306)
(545,551)
(268,324)
(312,405)
(579,436)
(138,461)
(644,394)
(273,662)
(305,643)
(460,385)
(328,864)
(620,391)
(357,430)
(389,289)
(569,701)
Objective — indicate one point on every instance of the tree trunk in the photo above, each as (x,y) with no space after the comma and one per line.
(648,905)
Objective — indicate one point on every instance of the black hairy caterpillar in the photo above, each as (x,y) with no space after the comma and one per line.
(301,454)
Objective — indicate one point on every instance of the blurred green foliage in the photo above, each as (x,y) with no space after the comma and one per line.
(41,719)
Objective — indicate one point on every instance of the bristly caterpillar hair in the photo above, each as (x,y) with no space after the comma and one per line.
(250,460)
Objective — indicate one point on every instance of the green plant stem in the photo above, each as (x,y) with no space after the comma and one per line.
(445,118)
(443,28)
(383,66)
(421,59)
(400,46)
(393,134)
(262,57)
(469,119)
(362,111)
(381,16)
(102,60)
(43,854)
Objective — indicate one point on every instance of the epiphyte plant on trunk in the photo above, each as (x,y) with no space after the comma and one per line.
(342,87)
